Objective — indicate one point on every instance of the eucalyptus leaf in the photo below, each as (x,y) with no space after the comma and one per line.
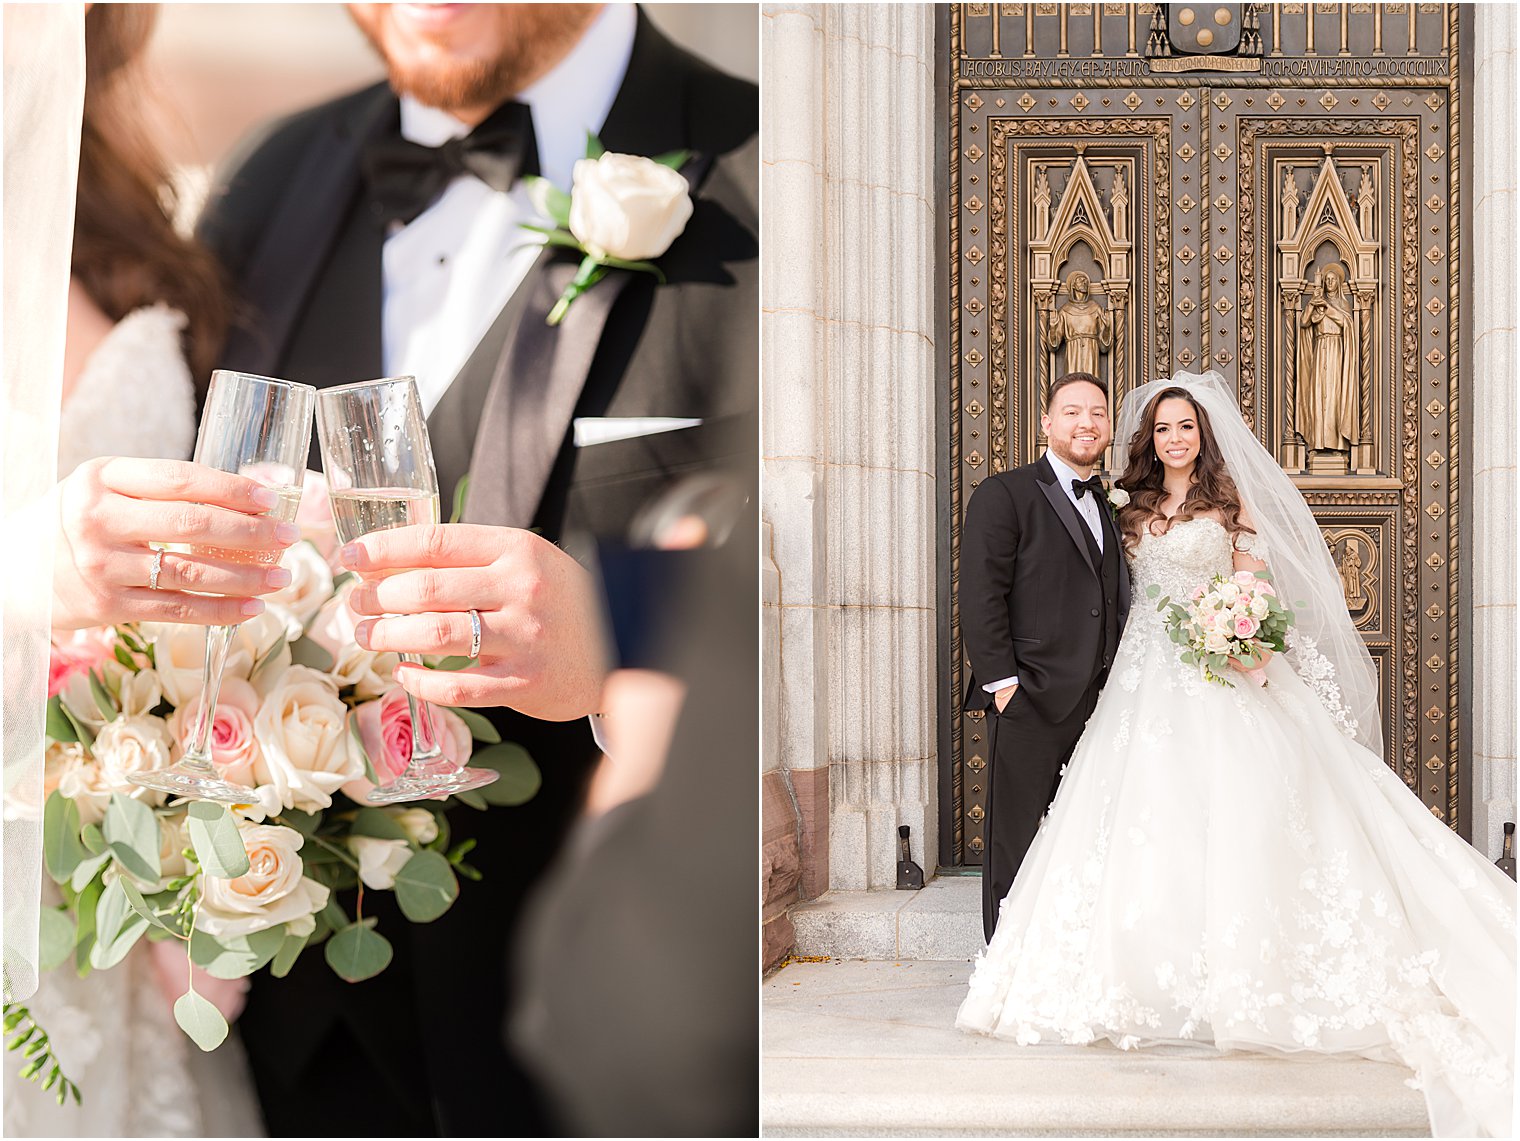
(673,159)
(334,914)
(357,953)
(93,839)
(117,927)
(480,727)
(131,831)
(456,662)
(217,841)
(62,850)
(55,937)
(380,825)
(142,906)
(59,727)
(234,956)
(306,823)
(84,913)
(87,870)
(520,779)
(290,950)
(103,700)
(425,887)
(121,654)
(594,148)
(471,798)
(305,652)
(82,732)
(199,1019)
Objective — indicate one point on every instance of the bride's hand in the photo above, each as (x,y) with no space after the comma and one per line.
(1246,666)
(110,510)
(541,644)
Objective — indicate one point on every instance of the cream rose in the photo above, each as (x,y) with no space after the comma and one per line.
(60,760)
(133,745)
(1217,642)
(311,582)
(370,673)
(1260,607)
(272,891)
(379,860)
(1119,497)
(303,732)
(89,787)
(173,839)
(626,206)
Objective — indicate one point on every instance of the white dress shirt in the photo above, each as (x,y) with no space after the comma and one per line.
(448,273)
(1087,507)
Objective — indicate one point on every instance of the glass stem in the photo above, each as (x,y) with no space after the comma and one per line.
(198,756)
(425,750)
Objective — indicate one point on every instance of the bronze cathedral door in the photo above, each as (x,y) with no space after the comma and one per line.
(1269,191)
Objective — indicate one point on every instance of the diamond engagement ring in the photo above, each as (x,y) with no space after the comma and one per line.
(158,566)
(474,633)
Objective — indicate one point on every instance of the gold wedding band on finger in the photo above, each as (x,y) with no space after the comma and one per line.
(474,633)
(158,568)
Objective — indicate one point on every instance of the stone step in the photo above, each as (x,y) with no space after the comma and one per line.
(943,920)
(854,1049)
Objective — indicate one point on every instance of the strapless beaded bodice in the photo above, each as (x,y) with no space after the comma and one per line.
(1180,559)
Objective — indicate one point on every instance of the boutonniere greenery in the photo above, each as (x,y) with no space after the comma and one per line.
(622,212)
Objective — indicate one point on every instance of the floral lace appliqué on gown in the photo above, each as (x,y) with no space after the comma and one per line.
(1228,865)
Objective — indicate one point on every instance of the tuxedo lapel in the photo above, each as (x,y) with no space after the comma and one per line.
(532,400)
(1061,505)
(313,216)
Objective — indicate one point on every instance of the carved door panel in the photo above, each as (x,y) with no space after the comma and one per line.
(1271,192)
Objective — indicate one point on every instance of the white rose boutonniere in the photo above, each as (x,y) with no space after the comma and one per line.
(1118,498)
(621,213)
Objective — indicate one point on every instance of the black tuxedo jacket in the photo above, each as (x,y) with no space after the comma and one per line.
(1031,596)
(293,226)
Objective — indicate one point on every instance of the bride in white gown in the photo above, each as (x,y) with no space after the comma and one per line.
(127,391)
(1237,865)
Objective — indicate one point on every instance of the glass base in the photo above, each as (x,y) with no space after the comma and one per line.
(181,780)
(425,788)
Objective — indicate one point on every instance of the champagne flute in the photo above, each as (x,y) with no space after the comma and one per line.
(380,475)
(258,427)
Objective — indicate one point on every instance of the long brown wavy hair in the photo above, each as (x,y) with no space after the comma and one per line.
(1144,478)
(127,253)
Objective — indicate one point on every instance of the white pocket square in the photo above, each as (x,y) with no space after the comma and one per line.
(591,430)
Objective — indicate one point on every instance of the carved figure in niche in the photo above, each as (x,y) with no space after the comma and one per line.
(1350,564)
(1085,326)
(1328,394)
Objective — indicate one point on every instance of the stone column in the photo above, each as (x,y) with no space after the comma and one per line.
(849,438)
(1491,110)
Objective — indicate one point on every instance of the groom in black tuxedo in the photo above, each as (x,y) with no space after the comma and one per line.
(377,234)
(1044,593)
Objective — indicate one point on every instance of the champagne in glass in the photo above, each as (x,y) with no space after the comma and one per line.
(258,427)
(380,475)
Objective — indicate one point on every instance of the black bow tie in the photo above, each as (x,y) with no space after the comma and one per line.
(1079,487)
(406,177)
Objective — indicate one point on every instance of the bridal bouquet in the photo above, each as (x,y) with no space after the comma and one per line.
(1227,618)
(308,720)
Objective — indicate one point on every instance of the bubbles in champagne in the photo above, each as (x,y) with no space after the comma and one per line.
(359,511)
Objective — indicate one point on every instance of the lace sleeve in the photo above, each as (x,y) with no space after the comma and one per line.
(1250,544)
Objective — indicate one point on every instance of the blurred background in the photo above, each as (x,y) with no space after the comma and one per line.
(222,69)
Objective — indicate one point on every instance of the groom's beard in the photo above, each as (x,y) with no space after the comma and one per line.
(1089,457)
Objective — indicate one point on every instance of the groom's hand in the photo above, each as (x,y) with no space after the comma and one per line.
(1004,696)
(541,642)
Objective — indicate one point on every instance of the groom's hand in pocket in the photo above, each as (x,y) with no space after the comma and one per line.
(1003,696)
(541,641)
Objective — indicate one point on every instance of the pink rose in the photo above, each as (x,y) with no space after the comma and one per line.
(1246,578)
(234,748)
(385,727)
(78,653)
(314,517)
(1198,593)
(1246,627)
(1264,587)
